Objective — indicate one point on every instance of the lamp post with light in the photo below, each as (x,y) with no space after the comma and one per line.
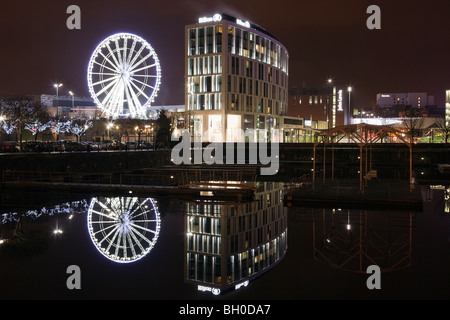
(57,86)
(73,97)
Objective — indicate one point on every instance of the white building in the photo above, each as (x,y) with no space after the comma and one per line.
(236,80)
(70,106)
(415,99)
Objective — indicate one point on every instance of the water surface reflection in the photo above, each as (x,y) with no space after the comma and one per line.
(189,249)
(230,244)
(123,229)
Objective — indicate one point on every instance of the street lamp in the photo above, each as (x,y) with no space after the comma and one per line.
(57,86)
(109,126)
(86,127)
(73,97)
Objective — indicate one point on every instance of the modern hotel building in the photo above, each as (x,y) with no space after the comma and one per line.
(236,81)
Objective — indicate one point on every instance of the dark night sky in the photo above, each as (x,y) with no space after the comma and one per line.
(324,38)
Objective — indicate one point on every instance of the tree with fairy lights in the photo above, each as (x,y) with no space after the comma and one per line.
(22,111)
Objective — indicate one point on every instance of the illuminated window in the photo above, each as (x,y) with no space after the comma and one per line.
(218,31)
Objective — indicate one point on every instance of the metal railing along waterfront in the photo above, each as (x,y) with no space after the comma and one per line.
(121,179)
(159,177)
(350,187)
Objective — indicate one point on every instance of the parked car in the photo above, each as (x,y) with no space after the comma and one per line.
(9,146)
(139,145)
(89,146)
(106,145)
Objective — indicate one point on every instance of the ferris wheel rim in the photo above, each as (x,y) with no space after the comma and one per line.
(125,67)
(121,227)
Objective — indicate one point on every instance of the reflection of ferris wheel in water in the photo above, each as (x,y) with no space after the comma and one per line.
(124,229)
(124,75)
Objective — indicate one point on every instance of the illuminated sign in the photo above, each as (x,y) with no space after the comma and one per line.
(215,291)
(242,284)
(340,101)
(216,18)
(243,23)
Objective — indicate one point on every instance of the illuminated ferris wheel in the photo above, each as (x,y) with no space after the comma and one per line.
(123,229)
(124,76)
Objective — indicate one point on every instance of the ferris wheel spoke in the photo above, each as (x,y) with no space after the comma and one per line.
(125,47)
(145,221)
(104,221)
(136,102)
(137,242)
(103,214)
(137,54)
(106,67)
(143,213)
(141,236)
(115,100)
(118,101)
(107,236)
(117,245)
(110,94)
(136,226)
(144,84)
(112,228)
(106,206)
(112,54)
(106,73)
(136,214)
(145,75)
(132,245)
(131,50)
(106,58)
(119,57)
(129,202)
(146,67)
(141,61)
(109,85)
(105,80)
(125,246)
(139,90)
(131,106)
(112,240)
(139,207)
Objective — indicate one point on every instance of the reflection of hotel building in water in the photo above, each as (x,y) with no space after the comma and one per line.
(229,245)
(236,79)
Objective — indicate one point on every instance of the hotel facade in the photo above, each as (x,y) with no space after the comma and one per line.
(236,78)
